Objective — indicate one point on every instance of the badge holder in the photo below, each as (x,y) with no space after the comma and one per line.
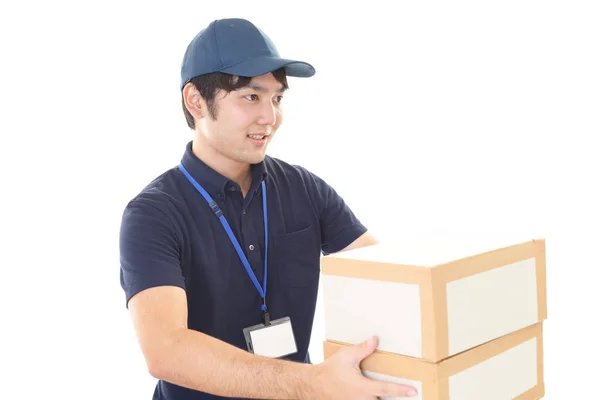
(273,339)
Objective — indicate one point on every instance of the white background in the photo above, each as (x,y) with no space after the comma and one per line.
(429,118)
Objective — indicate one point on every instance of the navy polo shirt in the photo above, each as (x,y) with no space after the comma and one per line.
(170,236)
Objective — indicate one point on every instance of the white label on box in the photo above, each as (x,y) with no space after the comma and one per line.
(491,304)
(356,309)
(387,378)
(503,377)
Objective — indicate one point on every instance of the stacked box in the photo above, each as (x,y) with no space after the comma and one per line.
(459,320)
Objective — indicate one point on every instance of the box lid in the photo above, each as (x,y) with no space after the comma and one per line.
(428,252)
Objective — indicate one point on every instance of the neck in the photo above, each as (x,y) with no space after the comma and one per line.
(236,171)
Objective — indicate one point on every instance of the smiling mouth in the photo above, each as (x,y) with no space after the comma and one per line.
(257,137)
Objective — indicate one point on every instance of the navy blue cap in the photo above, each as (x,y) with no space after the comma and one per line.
(235,46)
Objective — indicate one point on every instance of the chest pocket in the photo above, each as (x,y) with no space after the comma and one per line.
(297,257)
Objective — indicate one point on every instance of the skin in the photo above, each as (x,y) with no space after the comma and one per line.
(222,143)
(192,359)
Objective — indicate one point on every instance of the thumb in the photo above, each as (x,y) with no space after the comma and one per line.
(363,350)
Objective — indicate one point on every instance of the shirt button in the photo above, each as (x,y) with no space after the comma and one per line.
(251,247)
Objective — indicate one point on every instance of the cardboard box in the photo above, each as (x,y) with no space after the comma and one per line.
(510,367)
(433,300)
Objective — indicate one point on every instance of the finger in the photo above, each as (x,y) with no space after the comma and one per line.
(363,350)
(391,389)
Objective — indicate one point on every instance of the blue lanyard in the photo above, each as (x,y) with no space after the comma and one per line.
(213,205)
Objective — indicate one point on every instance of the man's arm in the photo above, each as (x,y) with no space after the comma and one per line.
(151,276)
(152,279)
(197,361)
(364,240)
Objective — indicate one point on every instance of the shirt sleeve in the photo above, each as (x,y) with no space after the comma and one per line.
(339,225)
(149,249)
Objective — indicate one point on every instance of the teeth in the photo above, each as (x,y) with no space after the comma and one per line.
(258,137)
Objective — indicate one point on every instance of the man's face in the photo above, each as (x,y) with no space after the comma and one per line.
(246,120)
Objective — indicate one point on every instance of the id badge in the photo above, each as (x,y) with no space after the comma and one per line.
(274,340)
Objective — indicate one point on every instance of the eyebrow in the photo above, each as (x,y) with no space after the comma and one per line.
(262,89)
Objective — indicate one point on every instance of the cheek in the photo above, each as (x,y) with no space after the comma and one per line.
(240,118)
(219,133)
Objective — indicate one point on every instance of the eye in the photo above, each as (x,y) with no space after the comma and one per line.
(251,97)
(279,99)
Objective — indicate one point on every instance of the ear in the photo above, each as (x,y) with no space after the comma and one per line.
(193,101)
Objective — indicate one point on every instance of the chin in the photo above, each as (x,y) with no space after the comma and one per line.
(252,158)
(258,159)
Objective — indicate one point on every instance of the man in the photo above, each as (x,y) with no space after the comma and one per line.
(227,244)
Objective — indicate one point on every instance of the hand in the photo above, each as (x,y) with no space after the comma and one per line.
(340,377)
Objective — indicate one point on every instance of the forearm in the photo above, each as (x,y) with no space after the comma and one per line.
(198,361)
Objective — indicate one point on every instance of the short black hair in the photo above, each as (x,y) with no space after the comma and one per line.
(209,84)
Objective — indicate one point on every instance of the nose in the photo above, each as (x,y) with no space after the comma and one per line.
(268,114)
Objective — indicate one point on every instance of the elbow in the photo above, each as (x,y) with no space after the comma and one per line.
(160,366)
(156,369)
(158,362)
(160,356)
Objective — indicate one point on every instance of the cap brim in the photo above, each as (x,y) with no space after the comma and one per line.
(265,64)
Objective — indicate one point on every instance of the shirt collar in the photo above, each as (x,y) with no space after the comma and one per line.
(212,181)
